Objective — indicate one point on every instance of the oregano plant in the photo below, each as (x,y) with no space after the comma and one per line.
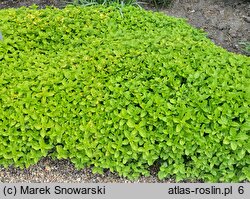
(122,92)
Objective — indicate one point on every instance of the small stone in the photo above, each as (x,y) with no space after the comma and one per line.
(247,19)
(216,7)
(47,168)
(233,33)
(222,26)
(78,179)
(236,46)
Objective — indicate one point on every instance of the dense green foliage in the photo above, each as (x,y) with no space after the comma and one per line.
(122,89)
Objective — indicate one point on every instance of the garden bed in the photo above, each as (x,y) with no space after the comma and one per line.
(48,170)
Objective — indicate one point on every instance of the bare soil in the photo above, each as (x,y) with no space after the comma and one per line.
(227,23)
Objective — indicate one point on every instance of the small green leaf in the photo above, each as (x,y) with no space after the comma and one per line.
(130,123)
(234,145)
(161,175)
(178,128)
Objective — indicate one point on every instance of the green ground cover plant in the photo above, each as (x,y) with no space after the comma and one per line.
(122,89)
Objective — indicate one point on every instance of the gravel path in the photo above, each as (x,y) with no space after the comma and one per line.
(48,170)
